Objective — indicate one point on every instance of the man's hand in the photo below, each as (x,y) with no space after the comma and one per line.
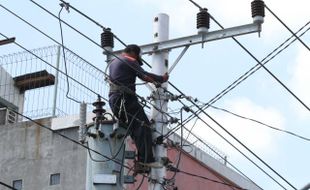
(165,77)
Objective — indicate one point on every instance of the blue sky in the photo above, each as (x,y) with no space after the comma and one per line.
(204,72)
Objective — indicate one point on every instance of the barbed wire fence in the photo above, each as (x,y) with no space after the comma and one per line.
(51,99)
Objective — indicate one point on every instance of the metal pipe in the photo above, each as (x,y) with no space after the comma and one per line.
(56,82)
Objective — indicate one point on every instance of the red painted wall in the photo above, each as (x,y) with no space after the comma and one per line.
(186,182)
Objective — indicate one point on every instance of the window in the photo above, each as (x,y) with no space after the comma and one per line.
(18,184)
(55,179)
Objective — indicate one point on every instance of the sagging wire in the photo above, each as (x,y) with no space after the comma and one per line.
(261,123)
(92,20)
(64,54)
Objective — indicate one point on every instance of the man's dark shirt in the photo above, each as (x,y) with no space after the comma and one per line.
(123,72)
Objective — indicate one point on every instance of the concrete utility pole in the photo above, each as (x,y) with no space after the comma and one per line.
(159,50)
(159,67)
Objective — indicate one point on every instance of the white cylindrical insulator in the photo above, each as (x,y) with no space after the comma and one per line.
(161,27)
(258,19)
(202,30)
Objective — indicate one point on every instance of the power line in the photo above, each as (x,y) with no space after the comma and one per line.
(259,122)
(64,58)
(249,72)
(262,65)
(236,139)
(206,178)
(303,43)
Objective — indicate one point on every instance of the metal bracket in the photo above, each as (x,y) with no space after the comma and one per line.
(130,154)
(128,179)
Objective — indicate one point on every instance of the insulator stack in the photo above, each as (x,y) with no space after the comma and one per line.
(99,111)
(107,39)
(203,21)
(258,11)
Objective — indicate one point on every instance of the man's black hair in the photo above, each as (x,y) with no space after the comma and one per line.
(133,48)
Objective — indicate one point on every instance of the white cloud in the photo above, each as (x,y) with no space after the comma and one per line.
(253,135)
(300,80)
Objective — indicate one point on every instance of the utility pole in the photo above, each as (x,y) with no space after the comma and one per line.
(159,67)
(159,50)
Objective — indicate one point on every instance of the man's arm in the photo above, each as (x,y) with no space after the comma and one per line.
(150,77)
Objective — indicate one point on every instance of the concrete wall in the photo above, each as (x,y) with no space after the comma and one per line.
(9,92)
(31,153)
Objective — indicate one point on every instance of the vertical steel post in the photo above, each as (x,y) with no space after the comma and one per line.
(159,67)
(56,82)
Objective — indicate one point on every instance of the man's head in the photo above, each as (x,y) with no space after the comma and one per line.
(134,50)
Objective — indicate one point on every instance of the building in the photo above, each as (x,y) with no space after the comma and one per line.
(37,158)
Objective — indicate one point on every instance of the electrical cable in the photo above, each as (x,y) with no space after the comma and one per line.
(180,149)
(142,180)
(259,122)
(92,20)
(249,72)
(303,43)
(265,68)
(6,185)
(242,144)
(64,59)
(212,180)
(121,145)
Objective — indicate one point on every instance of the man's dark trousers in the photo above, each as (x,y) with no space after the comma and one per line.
(137,122)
